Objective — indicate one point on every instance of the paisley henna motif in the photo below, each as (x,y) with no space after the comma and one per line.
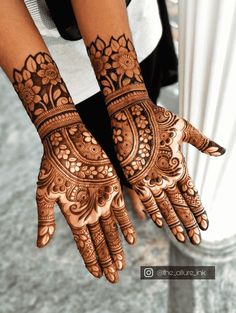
(147,139)
(75,172)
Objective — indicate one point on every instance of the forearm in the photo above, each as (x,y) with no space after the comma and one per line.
(106,32)
(28,64)
(103,18)
(19,36)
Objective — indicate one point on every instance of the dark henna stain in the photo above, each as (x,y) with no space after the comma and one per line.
(147,139)
(75,172)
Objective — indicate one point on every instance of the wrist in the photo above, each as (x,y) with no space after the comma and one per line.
(117,70)
(56,118)
(44,94)
(125,97)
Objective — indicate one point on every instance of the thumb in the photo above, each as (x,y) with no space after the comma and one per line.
(193,136)
(46,219)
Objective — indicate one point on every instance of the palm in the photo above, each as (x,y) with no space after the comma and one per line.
(76,173)
(147,140)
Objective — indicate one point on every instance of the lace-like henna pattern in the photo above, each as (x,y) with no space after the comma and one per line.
(40,86)
(75,172)
(147,139)
(115,64)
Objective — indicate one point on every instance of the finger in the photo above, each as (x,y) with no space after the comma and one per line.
(169,215)
(103,254)
(86,248)
(111,234)
(193,200)
(150,204)
(46,219)
(184,213)
(122,217)
(137,204)
(193,136)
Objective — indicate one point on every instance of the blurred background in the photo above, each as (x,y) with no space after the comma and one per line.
(54,279)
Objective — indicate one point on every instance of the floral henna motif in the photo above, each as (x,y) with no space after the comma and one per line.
(115,64)
(75,172)
(147,140)
(84,195)
(40,86)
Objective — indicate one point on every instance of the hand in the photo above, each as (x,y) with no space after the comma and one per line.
(75,172)
(147,139)
(77,175)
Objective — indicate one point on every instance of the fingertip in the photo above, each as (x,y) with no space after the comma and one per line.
(119,260)
(223,150)
(178,232)
(214,149)
(130,235)
(45,234)
(95,270)
(157,219)
(203,221)
(180,237)
(111,274)
(196,241)
(194,236)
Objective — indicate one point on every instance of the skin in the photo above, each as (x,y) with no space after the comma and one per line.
(147,138)
(75,172)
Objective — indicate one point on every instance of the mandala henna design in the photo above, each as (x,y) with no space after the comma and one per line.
(75,172)
(147,140)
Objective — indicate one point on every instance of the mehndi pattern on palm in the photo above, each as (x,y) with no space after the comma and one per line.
(147,140)
(75,172)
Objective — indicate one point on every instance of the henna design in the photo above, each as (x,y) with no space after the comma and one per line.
(193,200)
(184,214)
(147,140)
(115,64)
(110,230)
(201,142)
(102,252)
(40,86)
(75,172)
(122,217)
(87,250)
